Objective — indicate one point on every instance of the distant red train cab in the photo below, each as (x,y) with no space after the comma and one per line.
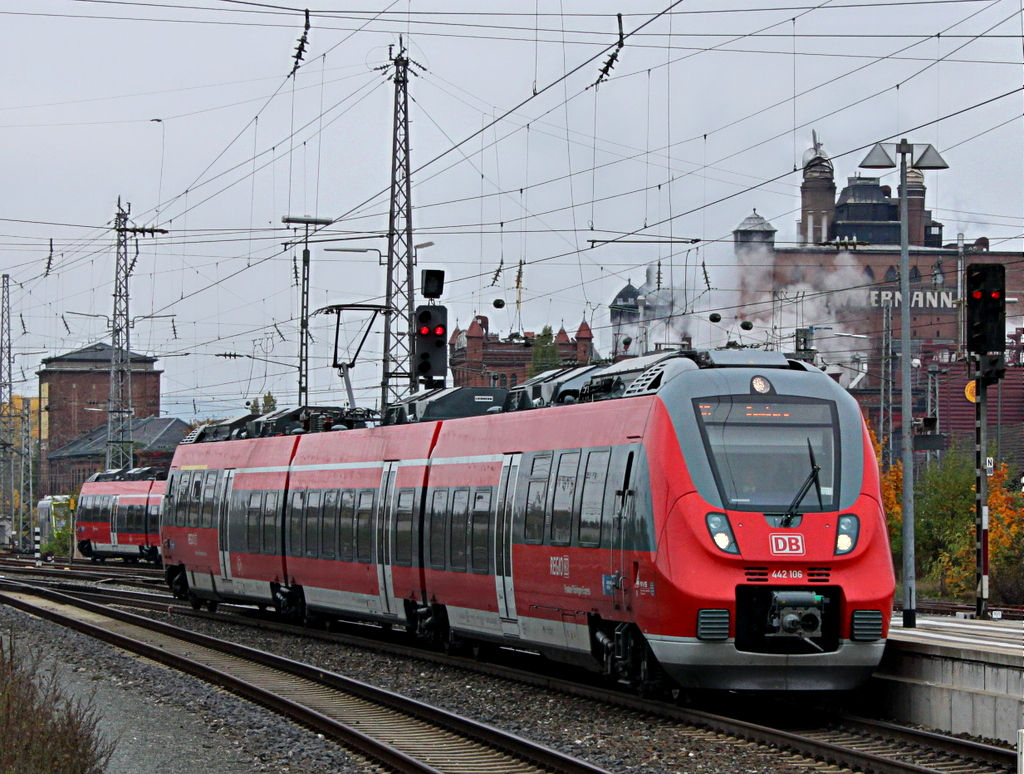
(118,515)
(707,519)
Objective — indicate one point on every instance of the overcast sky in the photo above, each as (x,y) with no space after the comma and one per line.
(186,111)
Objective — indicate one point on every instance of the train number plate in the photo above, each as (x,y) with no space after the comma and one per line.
(787,574)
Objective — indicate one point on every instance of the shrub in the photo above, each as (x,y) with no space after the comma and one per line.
(42,730)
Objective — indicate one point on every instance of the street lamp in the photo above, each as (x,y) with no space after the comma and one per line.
(380,255)
(922,156)
(304,294)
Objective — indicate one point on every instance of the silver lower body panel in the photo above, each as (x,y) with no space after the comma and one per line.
(718,665)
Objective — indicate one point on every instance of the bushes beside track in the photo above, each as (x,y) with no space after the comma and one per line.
(43,731)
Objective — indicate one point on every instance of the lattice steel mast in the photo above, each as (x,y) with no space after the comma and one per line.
(398,377)
(119,406)
(7,503)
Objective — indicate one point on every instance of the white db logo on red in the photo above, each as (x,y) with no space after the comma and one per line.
(790,544)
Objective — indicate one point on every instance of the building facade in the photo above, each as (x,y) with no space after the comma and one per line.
(479,358)
(836,294)
(74,392)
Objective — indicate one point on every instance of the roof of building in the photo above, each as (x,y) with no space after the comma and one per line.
(95,353)
(152,434)
(755,222)
(863,190)
(584,332)
(627,296)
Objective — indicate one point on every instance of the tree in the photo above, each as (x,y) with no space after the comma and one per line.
(957,561)
(269,403)
(944,511)
(545,353)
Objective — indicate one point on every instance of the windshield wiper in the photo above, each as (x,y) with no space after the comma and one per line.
(812,478)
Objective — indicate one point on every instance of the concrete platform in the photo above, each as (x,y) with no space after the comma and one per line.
(954,675)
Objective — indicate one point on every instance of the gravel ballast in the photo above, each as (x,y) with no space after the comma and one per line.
(171,723)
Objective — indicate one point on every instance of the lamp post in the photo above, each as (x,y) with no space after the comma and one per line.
(304,302)
(922,156)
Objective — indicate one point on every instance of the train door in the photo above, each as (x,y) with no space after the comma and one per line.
(383,521)
(503,546)
(625,512)
(118,519)
(223,510)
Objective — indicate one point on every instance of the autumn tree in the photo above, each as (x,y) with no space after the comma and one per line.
(957,561)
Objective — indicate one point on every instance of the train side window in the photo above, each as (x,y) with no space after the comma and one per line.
(195,500)
(592,497)
(536,497)
(346,526)
(565,491)
(270,523)
(121,518)
(403,526)
(481,531)
(108,504)
(134,522)
(541,466)
(438,518)
(252,521)
(294,545)
(209,496)
(460,519)
(181,501)
(312,523)
(329,525)
(153,525)
(364,526)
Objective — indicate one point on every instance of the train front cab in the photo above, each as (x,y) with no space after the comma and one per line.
(762,600)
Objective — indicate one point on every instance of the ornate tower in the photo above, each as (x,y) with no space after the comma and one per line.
(817,195)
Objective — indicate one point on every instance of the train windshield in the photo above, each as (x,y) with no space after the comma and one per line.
(759,450)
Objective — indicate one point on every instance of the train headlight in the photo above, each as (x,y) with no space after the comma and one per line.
(847,533)
(721,532)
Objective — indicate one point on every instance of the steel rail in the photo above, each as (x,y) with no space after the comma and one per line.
(811,745)
(543,759)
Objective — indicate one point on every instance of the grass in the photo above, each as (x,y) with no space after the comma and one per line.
(43,731)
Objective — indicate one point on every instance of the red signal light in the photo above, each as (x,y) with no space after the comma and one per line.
(976,294)
(424,330)
(995,294)
(439,330)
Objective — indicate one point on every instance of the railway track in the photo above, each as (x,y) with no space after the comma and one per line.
(847,742)
(125,575)
(403,734)
(937,607)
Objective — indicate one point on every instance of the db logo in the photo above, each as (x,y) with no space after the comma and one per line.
(790,544)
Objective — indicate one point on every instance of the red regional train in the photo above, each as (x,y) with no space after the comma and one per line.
(118,515)
(711,517)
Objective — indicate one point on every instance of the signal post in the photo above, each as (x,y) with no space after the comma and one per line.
(985,284)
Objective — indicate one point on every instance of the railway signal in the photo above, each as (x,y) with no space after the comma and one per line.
(986,308)
(431,347)
(985,287)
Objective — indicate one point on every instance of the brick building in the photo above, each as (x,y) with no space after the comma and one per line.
(74,390)
(154,439)
(479,358)
(843,279)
